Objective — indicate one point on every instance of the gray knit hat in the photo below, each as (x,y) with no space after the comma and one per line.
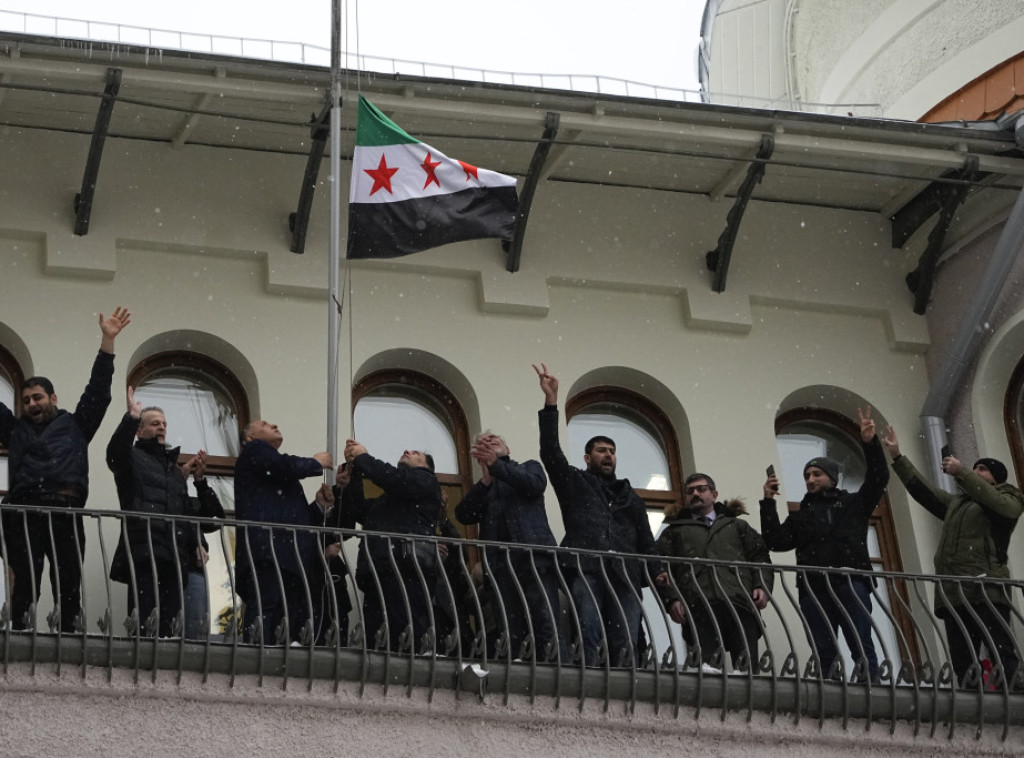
(827,465)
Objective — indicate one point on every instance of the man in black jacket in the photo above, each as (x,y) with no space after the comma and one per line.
(600,513)
(508,503)
(410,505)
(49,465)
(830,530)
(150,483)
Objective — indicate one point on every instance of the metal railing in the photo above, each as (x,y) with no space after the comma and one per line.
(315,55)
(498,619)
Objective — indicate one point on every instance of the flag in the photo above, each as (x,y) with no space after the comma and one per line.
(406,196)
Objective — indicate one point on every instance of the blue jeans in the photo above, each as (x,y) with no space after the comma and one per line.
(605,621)
(854,601)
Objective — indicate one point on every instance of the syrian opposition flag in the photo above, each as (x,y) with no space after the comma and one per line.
(407,197)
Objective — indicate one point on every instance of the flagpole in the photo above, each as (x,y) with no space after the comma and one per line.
(334,263)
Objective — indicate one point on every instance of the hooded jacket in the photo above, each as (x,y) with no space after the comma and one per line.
(729,538)
(977,523)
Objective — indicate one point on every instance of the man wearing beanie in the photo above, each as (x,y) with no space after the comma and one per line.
(830,530)
(977,523)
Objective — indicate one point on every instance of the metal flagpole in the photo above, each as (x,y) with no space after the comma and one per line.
(334,264)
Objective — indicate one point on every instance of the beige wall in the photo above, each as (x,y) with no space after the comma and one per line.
(194,242)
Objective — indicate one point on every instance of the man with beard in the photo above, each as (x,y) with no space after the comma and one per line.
(151,483)
(723,599)
(600,513)
(49,466)
(410,505)
(977,522)
(830,530)
(274,568)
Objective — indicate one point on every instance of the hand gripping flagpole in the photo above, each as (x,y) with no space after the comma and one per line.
(334,264)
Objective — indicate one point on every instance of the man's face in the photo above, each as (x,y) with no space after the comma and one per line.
(495,443)
(700,498)
(413,459)
(601,459)
(38,406)
(816,480)
(263,430)
(982,470)
(153,426)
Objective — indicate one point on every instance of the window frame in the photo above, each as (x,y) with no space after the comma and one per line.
(637,403)
(1013,399)
(13,369)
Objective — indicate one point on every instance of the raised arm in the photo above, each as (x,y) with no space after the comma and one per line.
(934,501)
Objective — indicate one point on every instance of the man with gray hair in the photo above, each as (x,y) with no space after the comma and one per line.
(508,504)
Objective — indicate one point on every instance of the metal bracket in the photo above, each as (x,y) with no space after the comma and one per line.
(83,200)
(921,279)
(718,259)
(298,222)
(514,249)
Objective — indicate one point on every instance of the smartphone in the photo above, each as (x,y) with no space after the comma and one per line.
(945,452)
(770,471)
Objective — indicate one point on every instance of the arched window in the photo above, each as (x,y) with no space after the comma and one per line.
(398,410)
(1013,416)
(645,443)
(11,377)
(805,433)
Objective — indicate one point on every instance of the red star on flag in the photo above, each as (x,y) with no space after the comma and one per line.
(381,175)
(470,170)
(429,166)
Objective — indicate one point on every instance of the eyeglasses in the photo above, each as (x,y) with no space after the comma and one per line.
(697,488)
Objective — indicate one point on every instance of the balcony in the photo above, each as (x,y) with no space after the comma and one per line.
(464,652)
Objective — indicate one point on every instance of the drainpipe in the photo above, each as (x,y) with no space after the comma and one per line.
(971,335)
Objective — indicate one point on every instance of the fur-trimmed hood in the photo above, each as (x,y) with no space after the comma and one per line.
(680,512)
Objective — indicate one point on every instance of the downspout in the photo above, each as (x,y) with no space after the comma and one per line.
(971,335)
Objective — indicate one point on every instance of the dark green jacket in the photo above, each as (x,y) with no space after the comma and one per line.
(729,538)
(977,523)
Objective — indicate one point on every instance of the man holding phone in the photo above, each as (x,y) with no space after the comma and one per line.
(977,523)
(830,530)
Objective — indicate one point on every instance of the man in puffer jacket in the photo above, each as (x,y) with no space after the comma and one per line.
(708,599)
(150,483)
(977,523)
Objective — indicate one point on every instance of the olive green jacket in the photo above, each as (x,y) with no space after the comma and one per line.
(977,523)
(729,538)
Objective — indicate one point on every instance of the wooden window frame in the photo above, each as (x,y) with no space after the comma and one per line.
(13,369)
(1014,432)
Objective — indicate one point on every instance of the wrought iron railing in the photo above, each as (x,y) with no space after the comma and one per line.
(448,613)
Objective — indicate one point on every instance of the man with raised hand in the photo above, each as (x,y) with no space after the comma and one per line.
(508,504)
(830,530)
(150,483)
(977,521)
(49,466)
(274,567)
(603,513)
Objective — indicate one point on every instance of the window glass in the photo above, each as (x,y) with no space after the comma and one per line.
(639,451)
(389,421)
(200,413)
